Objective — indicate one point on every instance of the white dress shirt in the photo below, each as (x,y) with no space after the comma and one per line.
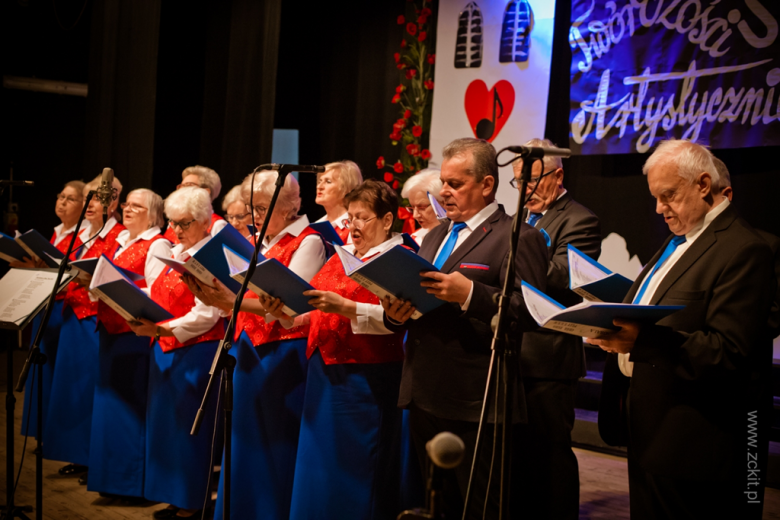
(626,366)
(419,235)
(161,247)
(218,226)
(86,234)
(60,233)
(338,224)
(201,317)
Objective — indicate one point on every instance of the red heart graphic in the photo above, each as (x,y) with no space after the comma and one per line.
(488,110)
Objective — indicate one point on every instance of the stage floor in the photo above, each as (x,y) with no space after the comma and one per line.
(603,482)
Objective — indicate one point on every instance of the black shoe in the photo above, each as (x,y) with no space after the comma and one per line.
(167,513)
(196,515)
(72,469)
(83,479)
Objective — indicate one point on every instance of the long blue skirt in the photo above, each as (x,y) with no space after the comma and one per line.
(269,383)
(348,450)
(69,422)
(177,463)
(118,451)
(48,346)
(412,483)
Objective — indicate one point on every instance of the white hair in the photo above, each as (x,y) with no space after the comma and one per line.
(549,162)
(690,159)
(347,175)
(192,200)
(234,195)
(289,201)
(208,178)
(428,180)
(154,206)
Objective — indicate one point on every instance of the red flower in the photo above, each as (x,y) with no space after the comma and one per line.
(396,98)
(416,130)
(411,28)
(403,43)
(380,163)
(429,84)
(399,125)
(399,89)
(401,66)
(426,12)
(389,177)
(422,19)
(396,184)
(397,57)
(407,114)
(425,154)
(431,59)
(410,73)
(401,20)
(421,37)
(396,135)
(413,149)
(398,167)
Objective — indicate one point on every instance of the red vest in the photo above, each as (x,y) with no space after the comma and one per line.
(255,326)
(343,233)
(134,259)
(171,235)
(332,333)
(172,294)
(62,247)
(76,296)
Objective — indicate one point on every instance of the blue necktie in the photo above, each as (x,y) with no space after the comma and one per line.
(676,241)
(449,245)
(534,219)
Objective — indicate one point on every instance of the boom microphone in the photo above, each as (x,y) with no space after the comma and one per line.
(300,168)
(534,151)
(105,192)
(446,450)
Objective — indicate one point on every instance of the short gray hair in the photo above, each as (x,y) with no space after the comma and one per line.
(289,200)
(691,159)
(549,162)
(348,175)
(192,200)
(724,180)
(428,180)
(154,205)
(208,178)
(483,154)
(234,195)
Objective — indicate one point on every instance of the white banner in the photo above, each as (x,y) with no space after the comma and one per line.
(492,75)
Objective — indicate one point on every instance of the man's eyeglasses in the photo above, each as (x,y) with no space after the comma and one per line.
(357,223)
(258,210)
(188,185)
(135,208)
(65,198)
(534,180)
(240,217)
(184,226)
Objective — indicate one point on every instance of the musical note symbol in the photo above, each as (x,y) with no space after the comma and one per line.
(486,127)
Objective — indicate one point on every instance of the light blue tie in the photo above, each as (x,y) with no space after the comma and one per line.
(676,241)
(534,219)
(449,245)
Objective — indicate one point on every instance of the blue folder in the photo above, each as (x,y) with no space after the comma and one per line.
(10,250)
(612,287)
(34,243)
(274,279)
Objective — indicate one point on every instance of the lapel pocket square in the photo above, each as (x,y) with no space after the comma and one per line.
(483,267)
(546,237)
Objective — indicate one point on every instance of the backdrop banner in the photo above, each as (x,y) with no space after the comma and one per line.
(492,75)
(647,70)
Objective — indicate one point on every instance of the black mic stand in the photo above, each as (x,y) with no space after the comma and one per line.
(225,363)
(503,359)
(39,359)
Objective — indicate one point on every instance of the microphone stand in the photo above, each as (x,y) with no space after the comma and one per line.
(503,359)
(39,359)
(225,363)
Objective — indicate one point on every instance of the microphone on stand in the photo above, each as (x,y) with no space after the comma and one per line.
(534,151)
(105,192)
(300,168)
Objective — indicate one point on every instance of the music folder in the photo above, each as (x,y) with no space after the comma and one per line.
(328,232)
(10,250)
(588,319)
(25,293)
(593,281)
(87,267)
(37,247)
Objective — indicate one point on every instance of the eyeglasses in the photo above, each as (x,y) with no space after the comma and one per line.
(184,226)
(324,181)
(258,210)
(188,185)
(513,181)
(420,208)
(357,223)
(135,208)
(240,217)
(61,197)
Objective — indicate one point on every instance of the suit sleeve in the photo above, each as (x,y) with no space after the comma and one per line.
(735,322)
(583,231)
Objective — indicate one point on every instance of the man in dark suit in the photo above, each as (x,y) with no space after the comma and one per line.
(694,380)
(448,349)
(552,362)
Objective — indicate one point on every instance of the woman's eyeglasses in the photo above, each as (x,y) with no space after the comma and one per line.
(357,223)
(184,226)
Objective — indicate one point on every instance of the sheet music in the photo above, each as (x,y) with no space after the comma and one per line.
(582,271)
(349,261)
(23,291)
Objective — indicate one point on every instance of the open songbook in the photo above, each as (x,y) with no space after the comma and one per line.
(395,273)
(588,319)
(35,246)
(87,266)
(441,213)
(117,290)
(10,250)
(209,262)
(25,292)
(272,278)
(593,281)
(328,232)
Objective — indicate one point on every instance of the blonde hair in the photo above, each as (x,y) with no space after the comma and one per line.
(208,178)
(347,175)
(234,195)
(289,201)
(192,200)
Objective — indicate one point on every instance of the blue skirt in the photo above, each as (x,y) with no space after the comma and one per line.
(69,421)
(412,482)
(48,346)
(177,463)
(269,383)
(116,457)
(348,450)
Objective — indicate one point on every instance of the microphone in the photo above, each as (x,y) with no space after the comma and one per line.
(300,168)
(4,182)
(533,151)
(105,192)
(446,450)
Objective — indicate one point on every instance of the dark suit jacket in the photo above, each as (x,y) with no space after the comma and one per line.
(448,350)
(774,316)
(548,354)
(697,373)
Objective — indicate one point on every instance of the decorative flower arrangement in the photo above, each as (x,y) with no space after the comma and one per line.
(413,95)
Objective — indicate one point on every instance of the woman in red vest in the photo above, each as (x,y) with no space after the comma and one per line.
(236,212)
(200,177)
(117,453)
(177,463)
(269,379)
(70,201)
(69,420)
(333,185)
